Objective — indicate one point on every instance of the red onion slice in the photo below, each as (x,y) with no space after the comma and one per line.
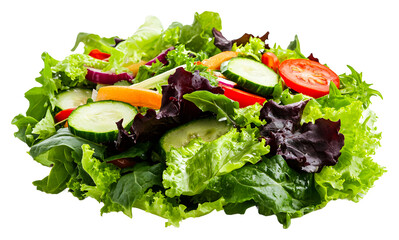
(161,57)
(226,82)
(98,76)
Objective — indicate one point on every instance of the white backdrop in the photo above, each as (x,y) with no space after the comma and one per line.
(362,34)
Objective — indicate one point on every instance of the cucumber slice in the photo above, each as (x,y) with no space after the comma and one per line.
(72,98)
(251,75)
(96,121)
(208,129)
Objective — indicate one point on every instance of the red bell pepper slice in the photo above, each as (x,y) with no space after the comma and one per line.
(243,98)
(95,53)
(64,114)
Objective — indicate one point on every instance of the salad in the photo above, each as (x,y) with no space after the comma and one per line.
(180,122)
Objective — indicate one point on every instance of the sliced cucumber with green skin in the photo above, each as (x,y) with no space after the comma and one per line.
(251,75)
(72,98)
(96,121)
(208,129)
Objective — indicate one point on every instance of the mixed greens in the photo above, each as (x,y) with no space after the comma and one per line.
(150,122)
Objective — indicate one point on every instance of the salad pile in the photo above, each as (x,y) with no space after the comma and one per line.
(182,121)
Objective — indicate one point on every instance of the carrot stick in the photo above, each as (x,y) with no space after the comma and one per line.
(215,61)
(134,96)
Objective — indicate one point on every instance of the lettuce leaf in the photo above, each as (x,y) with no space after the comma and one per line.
(253,49)
(103,174)
(225,109)
(63,153)
(132,186)
(157,203)
(352,85)
(190,168)
(93,41)
(45,127)
(272,186)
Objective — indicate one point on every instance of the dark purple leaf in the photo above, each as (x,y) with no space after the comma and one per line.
(279,117)
(174,111)
(311,57)
(117,41)
(220,41)
(306,148)
(225,45)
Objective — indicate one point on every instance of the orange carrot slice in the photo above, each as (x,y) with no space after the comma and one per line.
(135,67)
(134,96)
(215,61)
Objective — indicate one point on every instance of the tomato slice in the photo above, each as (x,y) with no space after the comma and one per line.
(270,60)
(308,77)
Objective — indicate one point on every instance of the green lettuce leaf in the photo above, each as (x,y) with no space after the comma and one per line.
(63,153)
(45,127)
(198,36)
(225,108)
(157,203)
(62,167)
(252,49)
(103,174)
(190,168)
(293,51)
(352,85)
(94,41)
(272,186)
(140,46)
(25,127)
(216,103)
(132,186)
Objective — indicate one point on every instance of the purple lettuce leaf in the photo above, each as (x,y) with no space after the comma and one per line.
(174,111)
(307,147)
(225,45)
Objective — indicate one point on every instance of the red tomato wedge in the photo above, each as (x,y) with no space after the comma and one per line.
(64,114)
(270,60)
(243,98)
(308,77)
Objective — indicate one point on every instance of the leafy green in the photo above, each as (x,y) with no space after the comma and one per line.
(157,203)
(40,98)
(102,174)
(61,171)
(64,137)
(190,168)
(253,48)
(296,47)
(94,41)
(225,108)
(25,127)
(132,186)
(217,103)
(352,85)
(198,36)
(63,153)
(293,51)
(45,128)
(274,187)
(139,46)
